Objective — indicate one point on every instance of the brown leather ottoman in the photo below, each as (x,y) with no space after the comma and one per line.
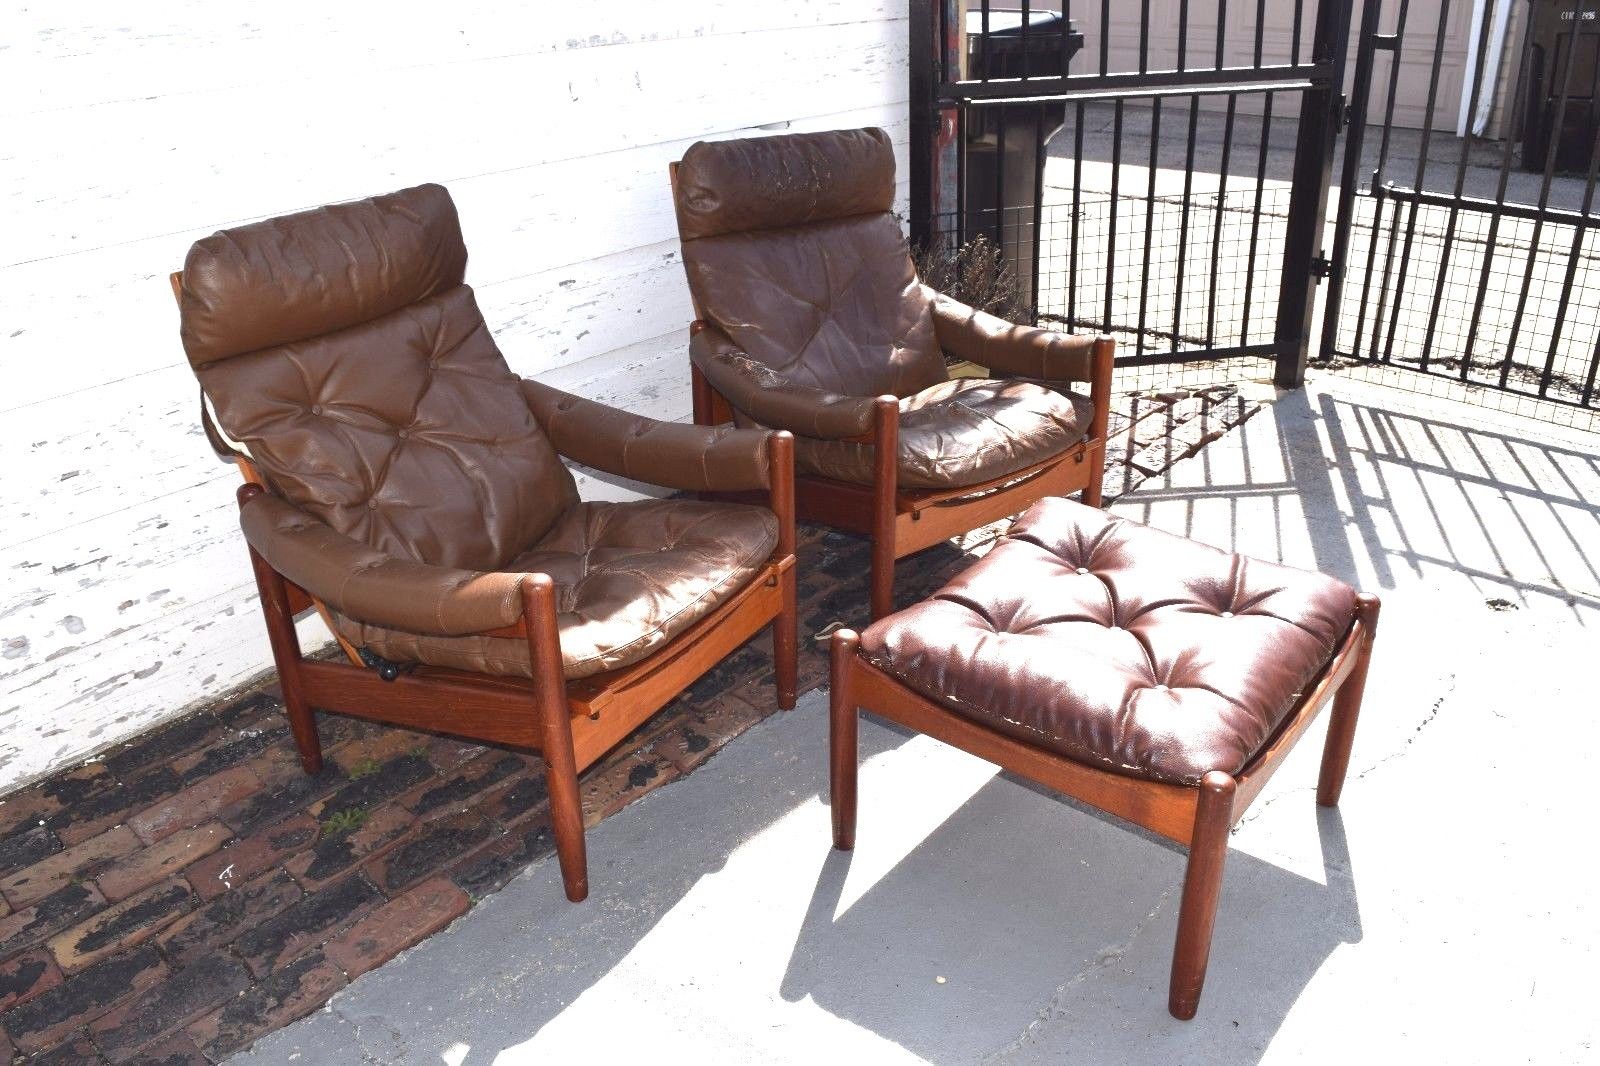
(1155,678)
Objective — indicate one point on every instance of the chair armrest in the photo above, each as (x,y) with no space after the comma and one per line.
(773,400)
(998,345)
(675,455)
(372,586)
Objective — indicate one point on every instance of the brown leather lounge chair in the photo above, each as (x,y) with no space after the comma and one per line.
(405,482)
(810,318)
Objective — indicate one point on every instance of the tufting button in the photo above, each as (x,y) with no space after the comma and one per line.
(1083,569)
(1161,688)
(1227,614)
(403,434)
(316,408)
(372,505)
(433,364)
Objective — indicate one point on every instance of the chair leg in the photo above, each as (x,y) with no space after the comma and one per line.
(286,656)
(1093,493)
(843,722)
(881,596)
(785,643)
(555,732)
(1202,886)
(1346,709)
(885,481)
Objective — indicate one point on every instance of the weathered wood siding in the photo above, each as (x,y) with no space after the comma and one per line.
(128,132)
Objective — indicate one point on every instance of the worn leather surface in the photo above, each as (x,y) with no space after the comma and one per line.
(629,577)
(358,580)
(961,432)
(672,454)
(295,277)
(1120,646)
(813,281)
(411,481)
(1005,348)
(771,400)
(772,182)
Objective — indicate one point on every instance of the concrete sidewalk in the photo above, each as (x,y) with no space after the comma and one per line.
(1442,915)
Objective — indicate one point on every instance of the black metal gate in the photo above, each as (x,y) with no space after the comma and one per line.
(1201,152)
(1481,267)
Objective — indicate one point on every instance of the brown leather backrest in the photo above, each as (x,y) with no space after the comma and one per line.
(342,348)
(792,251)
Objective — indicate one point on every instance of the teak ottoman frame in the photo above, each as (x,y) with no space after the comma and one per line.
(1198,818)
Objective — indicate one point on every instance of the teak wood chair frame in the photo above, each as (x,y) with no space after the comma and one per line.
(903,522)
(570,723)
(1198,818)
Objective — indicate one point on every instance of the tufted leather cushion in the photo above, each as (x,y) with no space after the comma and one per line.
(815,282)
(962,432)
(396,421)
(1118,645)
(629,577)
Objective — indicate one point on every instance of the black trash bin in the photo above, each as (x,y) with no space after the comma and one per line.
(1004,144)
(1563,33)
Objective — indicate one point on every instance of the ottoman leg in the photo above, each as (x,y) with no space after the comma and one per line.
(842,721)
(1346,708)
(1202,885)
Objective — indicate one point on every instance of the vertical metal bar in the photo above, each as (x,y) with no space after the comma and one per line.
(1000,177)
(1403,275)
(1038,210)
(1320,119)
(1576,253)
(1460,186)
(1105,36)
(1255,221)
(1022,41)
(1350,177)
(1544,196)
(1111,232)
(1493,236)
(961,175)
(925,56)
(983,37)
(1376,190)
(1183,221)
(1299,29)
(1077,216)
(1144,36)
(1149,219)
(1222,29)
(1222,210)
(1066,37)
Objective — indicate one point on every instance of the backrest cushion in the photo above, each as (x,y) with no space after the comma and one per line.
(342,348)
(792,250)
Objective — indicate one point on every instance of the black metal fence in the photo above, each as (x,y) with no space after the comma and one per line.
(1476,260)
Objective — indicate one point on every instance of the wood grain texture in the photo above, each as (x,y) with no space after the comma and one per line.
(128,597)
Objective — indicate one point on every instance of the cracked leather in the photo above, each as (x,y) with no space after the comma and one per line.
(1120,646)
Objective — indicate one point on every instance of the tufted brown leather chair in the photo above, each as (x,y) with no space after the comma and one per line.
(404,482)
(810,318)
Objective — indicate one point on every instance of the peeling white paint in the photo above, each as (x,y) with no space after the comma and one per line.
(126,594)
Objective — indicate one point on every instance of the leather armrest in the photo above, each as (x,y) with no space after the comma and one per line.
(1001,346)
(772,399)
(672,454)
(372,586)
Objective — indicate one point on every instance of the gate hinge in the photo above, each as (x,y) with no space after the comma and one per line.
(1321,267)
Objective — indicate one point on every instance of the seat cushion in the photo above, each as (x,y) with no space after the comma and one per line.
(962,432)
(1120,646)
(629,577)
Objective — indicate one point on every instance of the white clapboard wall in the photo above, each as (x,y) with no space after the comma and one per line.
(128,131)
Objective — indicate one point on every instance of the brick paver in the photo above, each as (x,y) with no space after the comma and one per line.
(182,895)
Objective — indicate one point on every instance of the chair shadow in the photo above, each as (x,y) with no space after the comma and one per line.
(1023,898)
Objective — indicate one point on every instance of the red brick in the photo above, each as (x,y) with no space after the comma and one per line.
(196,804)
(243,859)
(78,1052)
(160,861)
(49,1019)
(228,916)
(114,805)
(374,751)
(491,866)
(294,991)
(447,753)
(335,855)
(305,923)
(185,995)
(26,976)
(176,1050)
(429,850)
(63,907)
(465,785)
(397,925)
(619,781)
(119,927)
(45,876)
(691,739)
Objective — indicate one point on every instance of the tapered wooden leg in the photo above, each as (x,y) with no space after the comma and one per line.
(285,645)
(843,722)
(1346,709)
(786,644)
(1093,493)
(885,482)
(1105,354)
(560,761)
(1202,886)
